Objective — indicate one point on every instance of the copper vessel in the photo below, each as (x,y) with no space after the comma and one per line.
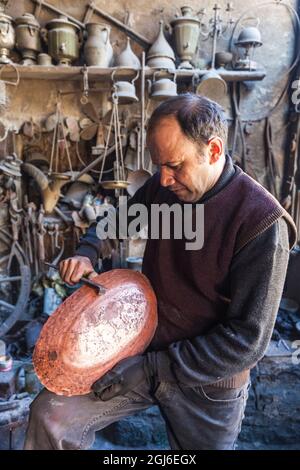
(89,333)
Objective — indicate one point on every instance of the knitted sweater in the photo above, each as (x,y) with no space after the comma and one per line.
(217,306)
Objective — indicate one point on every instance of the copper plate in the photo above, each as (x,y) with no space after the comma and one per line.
(89,333)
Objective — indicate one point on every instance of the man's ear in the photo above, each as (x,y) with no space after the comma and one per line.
(215,149)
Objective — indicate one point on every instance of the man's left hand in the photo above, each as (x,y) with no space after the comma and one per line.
(125,376)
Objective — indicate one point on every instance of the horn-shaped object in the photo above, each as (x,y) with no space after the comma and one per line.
(50,188)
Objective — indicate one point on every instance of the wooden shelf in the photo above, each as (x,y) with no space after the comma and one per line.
(39,72)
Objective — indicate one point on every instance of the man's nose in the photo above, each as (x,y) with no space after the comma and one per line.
(166,178)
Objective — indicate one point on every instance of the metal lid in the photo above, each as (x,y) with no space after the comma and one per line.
(249,36)
(187,16)
(63,20)
(28,19)
(5,18)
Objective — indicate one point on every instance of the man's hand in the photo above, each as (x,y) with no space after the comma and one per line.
(125,376)
(71,270)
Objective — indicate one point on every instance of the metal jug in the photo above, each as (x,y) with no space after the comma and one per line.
(97,49)
(28,38)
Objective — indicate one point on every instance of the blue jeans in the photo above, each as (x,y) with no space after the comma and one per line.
(197,418)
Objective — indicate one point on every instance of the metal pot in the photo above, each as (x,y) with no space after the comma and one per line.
(28,38)
(7,38)
(97,49)
(186,30)
(223,59)
(125,91)
(163,88)
(63,41)
(44,59)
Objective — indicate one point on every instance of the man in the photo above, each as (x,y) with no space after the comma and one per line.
(217,305)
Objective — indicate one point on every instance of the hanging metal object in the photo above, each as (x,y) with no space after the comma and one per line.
(59,144)
(212,86)
(124,90)
(249,39)
(28,38)
(186,30)
(120,180)
(137,178)
(161,54)
(163,88)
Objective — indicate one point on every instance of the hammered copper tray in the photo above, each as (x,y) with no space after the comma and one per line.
(89,333)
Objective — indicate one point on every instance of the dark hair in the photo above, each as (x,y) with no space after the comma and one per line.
(199,118)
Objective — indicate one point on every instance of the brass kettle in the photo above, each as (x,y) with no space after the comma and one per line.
(62,37)
(28,39)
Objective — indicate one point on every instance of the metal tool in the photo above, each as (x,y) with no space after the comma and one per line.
(100,289)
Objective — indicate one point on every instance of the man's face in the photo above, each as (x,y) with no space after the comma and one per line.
(185,169)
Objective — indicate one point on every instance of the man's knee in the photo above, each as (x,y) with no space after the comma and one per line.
(47,422)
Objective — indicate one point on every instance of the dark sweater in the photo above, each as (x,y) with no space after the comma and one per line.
(222,351)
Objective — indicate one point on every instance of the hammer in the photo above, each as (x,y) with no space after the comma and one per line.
(99,288)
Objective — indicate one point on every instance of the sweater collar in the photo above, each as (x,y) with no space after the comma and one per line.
(226,175)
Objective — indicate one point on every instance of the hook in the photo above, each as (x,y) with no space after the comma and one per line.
(16,83)
(84,98)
